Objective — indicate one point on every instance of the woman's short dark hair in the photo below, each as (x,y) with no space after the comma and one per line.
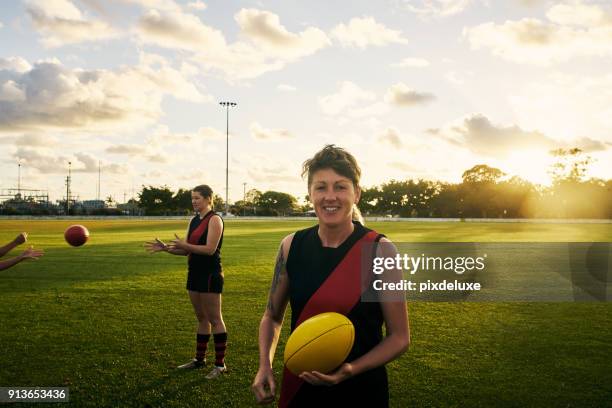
(204,190)
(335,158)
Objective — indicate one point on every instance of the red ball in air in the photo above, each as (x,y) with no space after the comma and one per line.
(76,235)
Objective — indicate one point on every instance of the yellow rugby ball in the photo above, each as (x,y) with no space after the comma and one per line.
(320,343)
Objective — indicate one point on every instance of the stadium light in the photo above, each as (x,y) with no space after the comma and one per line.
(227,105)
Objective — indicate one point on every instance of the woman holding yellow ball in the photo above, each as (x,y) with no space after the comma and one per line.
(314,273)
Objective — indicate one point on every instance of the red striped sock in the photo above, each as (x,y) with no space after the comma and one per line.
(220,347)
(201,346)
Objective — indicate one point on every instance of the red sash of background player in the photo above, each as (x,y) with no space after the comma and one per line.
(345,279)
(196,234)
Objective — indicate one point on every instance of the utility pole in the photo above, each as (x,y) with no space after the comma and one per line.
(227,105)
(244,198)
(68,190)
(98,192)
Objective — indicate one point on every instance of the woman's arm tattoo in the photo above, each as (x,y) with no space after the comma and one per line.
(279,268)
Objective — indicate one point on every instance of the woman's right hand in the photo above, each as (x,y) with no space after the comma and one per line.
(155,246)
(264,386)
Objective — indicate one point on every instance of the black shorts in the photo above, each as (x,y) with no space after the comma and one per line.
(205,282)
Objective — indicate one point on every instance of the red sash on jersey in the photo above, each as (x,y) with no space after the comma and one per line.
(197,233)
(339,293)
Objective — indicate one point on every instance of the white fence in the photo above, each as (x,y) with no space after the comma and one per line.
(369,219)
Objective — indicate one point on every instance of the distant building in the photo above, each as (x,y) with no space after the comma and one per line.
(93,204)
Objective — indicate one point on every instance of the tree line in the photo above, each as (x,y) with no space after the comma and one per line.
(162,201)
(484,192)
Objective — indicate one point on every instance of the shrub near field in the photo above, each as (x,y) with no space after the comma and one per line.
(111,322)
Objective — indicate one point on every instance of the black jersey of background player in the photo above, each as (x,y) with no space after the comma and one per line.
(208,263)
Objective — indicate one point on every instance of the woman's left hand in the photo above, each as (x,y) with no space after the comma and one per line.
(316,378)
(178,243)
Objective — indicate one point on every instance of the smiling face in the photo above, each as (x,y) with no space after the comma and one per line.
(198,202)
(333,196)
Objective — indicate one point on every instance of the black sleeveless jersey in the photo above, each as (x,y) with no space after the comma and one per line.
(309,263)
(205,263)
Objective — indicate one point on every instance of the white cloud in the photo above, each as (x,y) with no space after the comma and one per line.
(61,9)
(148,152)
(286,88)
(349,95)
(29,140)
(47,161)
(176,29)
(197,5)
(156,4)
(264,29)
(127,149)
(158,158)
(390,136)
(411,63)
(352,102)
(42,161)
(35,140)
(239,61)
(17,64)
(477,134)
(579,14)
(62,23)
(86,163)
(364,32)
(63,98)
(208,132)
(573,29)
(260,133)
(266,44)
(531,3)
(189,69)
(589,145)
(437,8)
(10,92)
(454,78)
(1,25)
(402,95)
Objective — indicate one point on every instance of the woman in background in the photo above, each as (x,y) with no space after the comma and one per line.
(204,277)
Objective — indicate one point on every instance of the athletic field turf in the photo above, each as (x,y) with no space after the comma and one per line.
(112,322)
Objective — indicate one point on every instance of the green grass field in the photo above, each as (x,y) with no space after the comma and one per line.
(111,322)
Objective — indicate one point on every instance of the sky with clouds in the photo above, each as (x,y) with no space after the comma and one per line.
(413,88)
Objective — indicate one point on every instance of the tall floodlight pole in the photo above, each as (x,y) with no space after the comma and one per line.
(227,105)
(19,180)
